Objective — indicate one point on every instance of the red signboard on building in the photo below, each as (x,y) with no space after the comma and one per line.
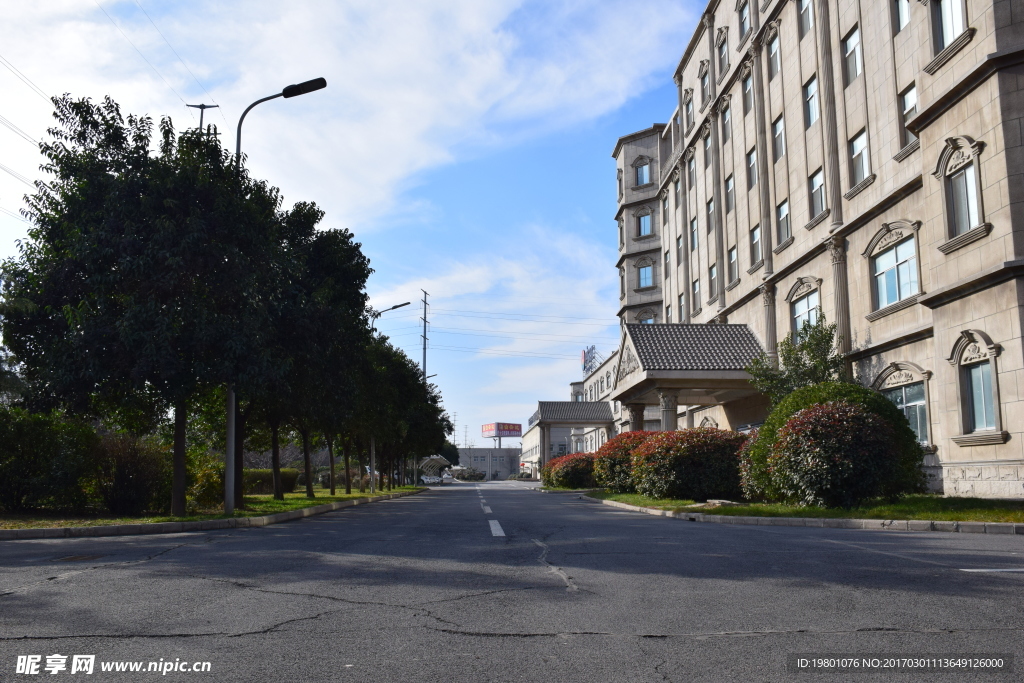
(496,429)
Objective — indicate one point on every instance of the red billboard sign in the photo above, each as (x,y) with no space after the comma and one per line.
(496,429)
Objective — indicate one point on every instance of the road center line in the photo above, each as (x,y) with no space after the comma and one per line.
(495,528)
(487,510)
(979,571)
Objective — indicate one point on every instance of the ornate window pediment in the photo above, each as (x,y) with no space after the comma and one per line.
(644,315)
(709,421)
(703,70)
(641,160)
(721,36)
(687,95)
(957,153)
(899,373)
(643,211)
(973,346)
(890,234)
(975,360)
(643,262)
(771,30)
(802,287)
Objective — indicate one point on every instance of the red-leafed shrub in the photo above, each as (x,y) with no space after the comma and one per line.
(698,463)
(834,454)
(573,471)
(613,462)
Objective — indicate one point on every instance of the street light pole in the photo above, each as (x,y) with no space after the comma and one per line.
(229,456)
(377,314)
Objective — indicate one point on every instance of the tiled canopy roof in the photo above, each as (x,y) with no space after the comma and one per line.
(693,347)
(589,412)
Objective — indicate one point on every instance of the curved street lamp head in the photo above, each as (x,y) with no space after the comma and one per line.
(303,88)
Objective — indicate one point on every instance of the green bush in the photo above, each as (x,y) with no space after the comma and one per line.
(206,481)
(471,474)
(45,460)
(613,462)
(572,471)
(698,463)
(133,475)
(834,454)
(261,482)
(907,477)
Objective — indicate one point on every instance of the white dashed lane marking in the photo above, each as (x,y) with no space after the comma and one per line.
(487,510)
(986,571)
(495,528)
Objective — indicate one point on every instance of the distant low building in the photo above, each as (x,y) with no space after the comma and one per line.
(495,463)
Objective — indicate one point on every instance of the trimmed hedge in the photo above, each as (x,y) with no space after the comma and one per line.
(572,471)
(698,463)
(835,454)
(907,477)
(257,482)
(613,462)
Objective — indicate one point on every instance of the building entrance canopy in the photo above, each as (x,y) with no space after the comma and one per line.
(573,414)
(672,364)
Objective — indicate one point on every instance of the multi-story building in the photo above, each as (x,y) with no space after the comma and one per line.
(860,160)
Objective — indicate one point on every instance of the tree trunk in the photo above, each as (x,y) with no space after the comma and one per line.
(180,475)
(306,462)
(330,453)
(275,460)
(390,470)
(239,460)
(348,467)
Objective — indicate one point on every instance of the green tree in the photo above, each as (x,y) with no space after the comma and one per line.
(450,452)
(809,356)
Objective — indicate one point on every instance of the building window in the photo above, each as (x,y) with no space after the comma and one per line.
(782,219)
(910,399)
(705,89)
(726,124)
(646,318)
(976,360)
(774,57)
(691,172)
(748,94)
(682,304)
(643,225)
(963,199)
(664,210)
(805,310)
(643,174)
(676,187)
(730,194)
(707,151)
(908,103)
(949,22)
(744,19)
(979,394)
(668,262)
(668,314)
(806,11)
(895,272)
(689,113)
(622,236)
(811,111)
(860,166)
(645,276)
(853,60)
(778,138)
(723,56)
(679,249)
(696,293)
(751,168)
(693,234)
(755,245)
(713,280)
(734,265)
(902,14)
(711,214)
(622,283)
(816,184)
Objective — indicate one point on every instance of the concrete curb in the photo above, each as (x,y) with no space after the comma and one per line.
(179,527)
(830,523)
(576,491)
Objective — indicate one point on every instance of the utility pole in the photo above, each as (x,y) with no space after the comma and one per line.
(424,366)
(202,110)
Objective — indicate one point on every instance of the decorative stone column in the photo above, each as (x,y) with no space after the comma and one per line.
(829,128)
(636,417)
(837,248)
(545,444)
(669,407)
(716,160)
(771,340)
(761,128)
(686,286)
(689,417)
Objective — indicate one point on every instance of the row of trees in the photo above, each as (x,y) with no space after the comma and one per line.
(158,271)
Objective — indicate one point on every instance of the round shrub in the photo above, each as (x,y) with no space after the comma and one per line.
(698,463)
(572,471)
(834,454)
(613,462)
(906,477)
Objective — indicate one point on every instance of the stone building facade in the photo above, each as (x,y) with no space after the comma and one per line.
(862,160)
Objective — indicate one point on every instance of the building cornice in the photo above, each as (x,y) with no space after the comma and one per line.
(655,129)
(990,277)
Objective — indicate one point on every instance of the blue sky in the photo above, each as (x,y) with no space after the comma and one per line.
(466,143)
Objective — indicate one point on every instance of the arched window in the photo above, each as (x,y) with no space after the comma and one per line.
(893,267)
(974,357)
(804,302)
(958,170)
(907,385)
(642,171)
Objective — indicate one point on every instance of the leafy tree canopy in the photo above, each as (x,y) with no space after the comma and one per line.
(807,357)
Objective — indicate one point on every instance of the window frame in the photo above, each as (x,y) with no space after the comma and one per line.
(752,169)
(710,205)
(747,87)
(805,16)
(726,116)
(972,348)
(744,19)
(730,193)
(778,138)
(756,245)
(812,192)
(774,57)
(901,374)
(907,137)
(642,224)
(859,170)
(694,234)
(890,236)
(812,107)
(668,263)
(857,54)
(733,264)
(780,219)
(712,282)
(802,291)
(644,268)
(901,14)
(958,155)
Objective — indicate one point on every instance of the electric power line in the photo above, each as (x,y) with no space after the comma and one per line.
(523,354)
(17,175)
(18,131)
(534,315)
(12,214)
(179,57)
(96,2)
(522,319)
(24,79)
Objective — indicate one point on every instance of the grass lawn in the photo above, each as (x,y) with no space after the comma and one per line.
(927,507)
(255,506)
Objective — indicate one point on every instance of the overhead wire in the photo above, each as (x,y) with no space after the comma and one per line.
(18,131)
(13,215)
(24,79)
(157,71)
(179,58)
(16,175)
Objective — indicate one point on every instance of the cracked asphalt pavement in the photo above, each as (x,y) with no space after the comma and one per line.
(421,589)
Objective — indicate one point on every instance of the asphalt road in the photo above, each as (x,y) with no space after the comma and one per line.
(496,582)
